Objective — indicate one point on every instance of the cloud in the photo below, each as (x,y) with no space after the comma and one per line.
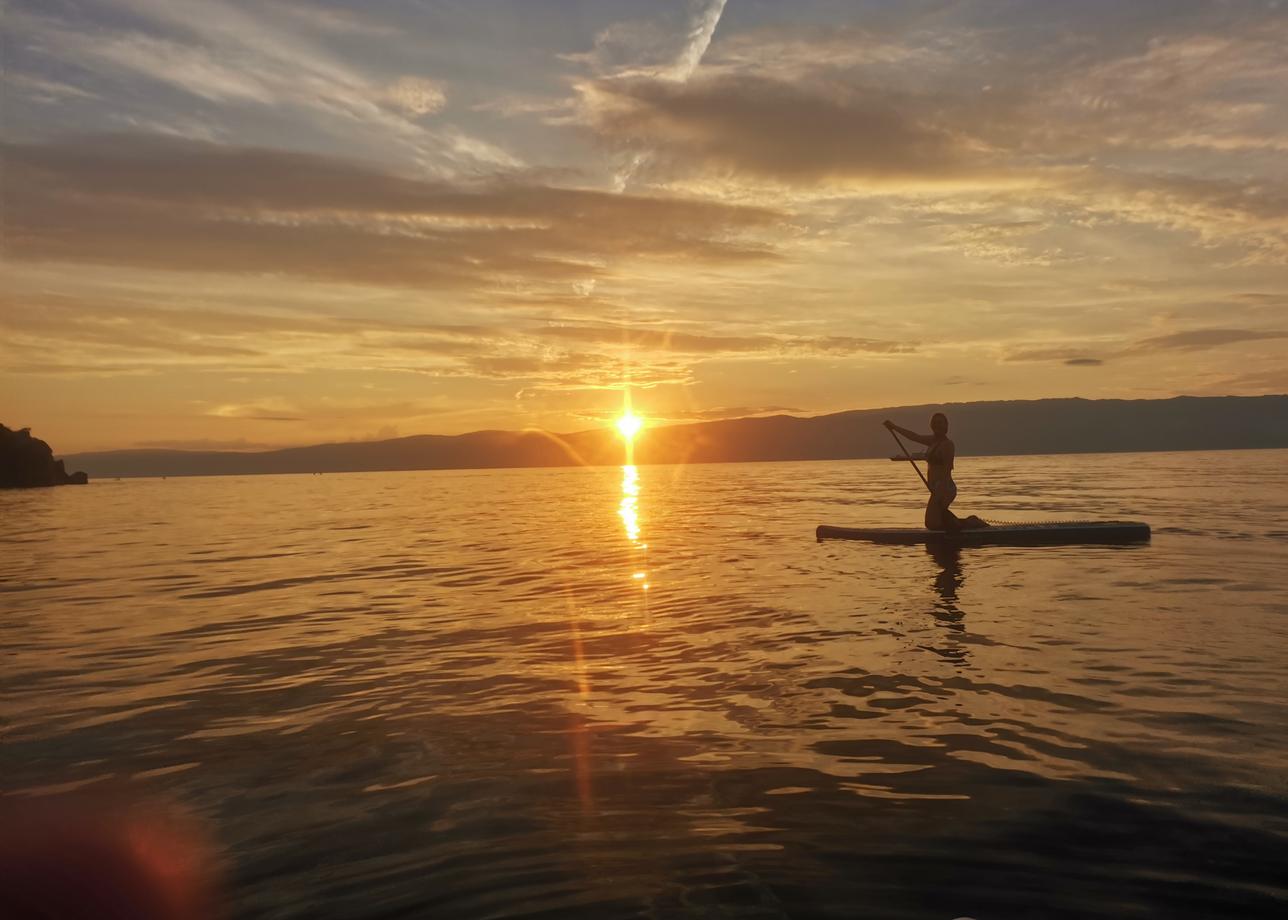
(697,40)
(657,47)
(193,206)
(61,335)
(45,90)
(801,52)
(526,368)
(24,366)
(266,411)
(244,58)
(1200,339)
(1261,382)
(791,104)
(844,109)
(1006,241)
(722,412)
(1251,213)
(51,335)
(1188,340)
(695,343)
(775,129)
(206,444)
(312,15)
(1208,85)
(1072,356)
(324,411)
(171,334)
(416,96)
(1263,298)
(510,105)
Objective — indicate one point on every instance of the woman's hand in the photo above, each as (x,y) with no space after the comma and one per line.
(889,424)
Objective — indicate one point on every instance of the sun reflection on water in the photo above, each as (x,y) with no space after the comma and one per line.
(580,737)
(628,509)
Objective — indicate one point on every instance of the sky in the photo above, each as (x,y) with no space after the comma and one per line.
(251,223)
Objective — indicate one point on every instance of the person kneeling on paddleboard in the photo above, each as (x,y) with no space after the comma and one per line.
(940,453)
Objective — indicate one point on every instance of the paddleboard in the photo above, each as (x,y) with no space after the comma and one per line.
(1045,533)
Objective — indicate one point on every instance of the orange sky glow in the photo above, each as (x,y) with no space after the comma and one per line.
(241,225)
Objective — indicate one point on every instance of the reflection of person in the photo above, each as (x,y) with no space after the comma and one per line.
(948,580)
(950,577)
(940,454)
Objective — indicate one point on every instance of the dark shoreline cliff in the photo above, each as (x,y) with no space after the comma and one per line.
(27,462)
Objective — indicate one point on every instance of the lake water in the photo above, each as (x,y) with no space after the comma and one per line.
(651,693)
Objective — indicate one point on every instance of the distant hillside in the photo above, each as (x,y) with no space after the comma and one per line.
(1045,426)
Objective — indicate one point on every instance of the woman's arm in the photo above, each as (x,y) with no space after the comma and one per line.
(910,435)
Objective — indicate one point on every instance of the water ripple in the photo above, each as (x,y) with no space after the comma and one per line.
(400,695)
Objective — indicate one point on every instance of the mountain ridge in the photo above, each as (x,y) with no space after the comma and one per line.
(998,427)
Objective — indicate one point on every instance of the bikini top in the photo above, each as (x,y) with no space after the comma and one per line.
(935,454)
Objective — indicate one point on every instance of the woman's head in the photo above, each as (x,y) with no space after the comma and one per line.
(939,424)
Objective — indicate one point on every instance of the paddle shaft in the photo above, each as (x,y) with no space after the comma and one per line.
(895,435)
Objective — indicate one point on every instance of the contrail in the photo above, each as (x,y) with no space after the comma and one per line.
(699,40)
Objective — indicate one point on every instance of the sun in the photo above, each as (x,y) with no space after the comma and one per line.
(629,425)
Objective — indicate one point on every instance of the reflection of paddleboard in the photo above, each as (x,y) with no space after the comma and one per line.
(1049,532)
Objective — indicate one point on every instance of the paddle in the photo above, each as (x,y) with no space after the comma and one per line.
(910,460)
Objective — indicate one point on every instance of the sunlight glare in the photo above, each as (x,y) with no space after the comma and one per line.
(629,425)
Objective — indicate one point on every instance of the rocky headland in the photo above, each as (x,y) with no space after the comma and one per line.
(27,462)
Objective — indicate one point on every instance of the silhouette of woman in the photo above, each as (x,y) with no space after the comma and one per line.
(940,454)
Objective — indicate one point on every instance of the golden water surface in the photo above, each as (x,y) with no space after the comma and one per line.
(647,691)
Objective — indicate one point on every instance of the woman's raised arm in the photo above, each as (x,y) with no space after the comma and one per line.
(910,435)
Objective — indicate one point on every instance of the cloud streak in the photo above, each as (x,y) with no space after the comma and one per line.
(227,55)
(1201,339)
(669,340)
(1189,340)
(192,206)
